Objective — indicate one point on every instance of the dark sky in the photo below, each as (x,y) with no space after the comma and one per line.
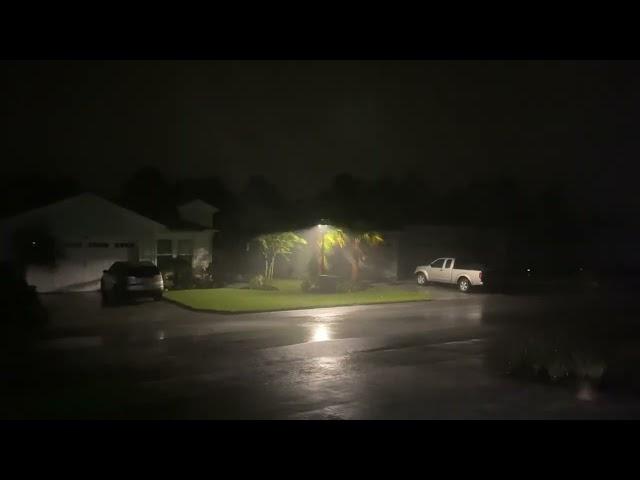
(300,123)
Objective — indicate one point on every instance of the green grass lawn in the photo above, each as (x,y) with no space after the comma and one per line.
(288,297)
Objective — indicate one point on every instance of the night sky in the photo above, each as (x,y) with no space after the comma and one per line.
(300,123)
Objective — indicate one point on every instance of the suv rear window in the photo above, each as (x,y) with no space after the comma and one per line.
(142,271)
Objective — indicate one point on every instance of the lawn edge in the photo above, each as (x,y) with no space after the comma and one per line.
(243,312)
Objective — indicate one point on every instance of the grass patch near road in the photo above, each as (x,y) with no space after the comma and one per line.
(288,297)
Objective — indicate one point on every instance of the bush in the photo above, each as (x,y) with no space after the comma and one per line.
(256,282)
(177,273)
(313,269)
(306,286)
(203,276)
(183,275)
(549,354)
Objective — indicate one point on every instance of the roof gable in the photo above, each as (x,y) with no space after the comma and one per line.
(201,204)
(83,207)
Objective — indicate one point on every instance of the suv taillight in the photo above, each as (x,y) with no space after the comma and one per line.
(480,276)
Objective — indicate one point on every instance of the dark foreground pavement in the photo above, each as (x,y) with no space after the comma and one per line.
(404,361)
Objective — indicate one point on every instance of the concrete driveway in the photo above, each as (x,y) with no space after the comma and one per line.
(401,361)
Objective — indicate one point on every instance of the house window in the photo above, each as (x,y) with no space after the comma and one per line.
(164,247)
(185,251)
(164,254)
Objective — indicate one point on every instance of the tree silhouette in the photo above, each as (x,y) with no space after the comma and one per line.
(149,192)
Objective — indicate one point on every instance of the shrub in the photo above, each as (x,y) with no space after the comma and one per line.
(313,269)
(184,280)
(256,282)
(202,266)
(203,276)
(177,273)
(548,355)
(306,285)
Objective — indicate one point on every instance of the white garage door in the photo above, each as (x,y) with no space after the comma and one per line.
(80,266)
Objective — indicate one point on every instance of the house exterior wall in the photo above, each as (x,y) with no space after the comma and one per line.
(85,218)
(78,269)
(202,244)
(198,212)
(202,249)
(91,233)
(147,248)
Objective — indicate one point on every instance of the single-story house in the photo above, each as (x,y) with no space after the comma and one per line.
(90,233)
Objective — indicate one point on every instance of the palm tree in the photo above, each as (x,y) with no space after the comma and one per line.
(351,244)
(330,237)
(354,252)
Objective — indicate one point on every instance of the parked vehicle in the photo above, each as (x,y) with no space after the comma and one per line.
(126,280)
(453,271)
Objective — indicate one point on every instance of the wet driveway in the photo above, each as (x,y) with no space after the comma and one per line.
(426,360)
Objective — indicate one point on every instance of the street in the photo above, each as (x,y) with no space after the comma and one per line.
(424,360)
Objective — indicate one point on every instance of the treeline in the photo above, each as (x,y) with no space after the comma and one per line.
(383,204)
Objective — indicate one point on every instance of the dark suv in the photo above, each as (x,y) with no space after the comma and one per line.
(125,280)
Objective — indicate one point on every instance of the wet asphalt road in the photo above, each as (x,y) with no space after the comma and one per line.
(156,360)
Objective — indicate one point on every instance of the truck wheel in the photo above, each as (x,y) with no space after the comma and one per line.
(422,279)
(464,285)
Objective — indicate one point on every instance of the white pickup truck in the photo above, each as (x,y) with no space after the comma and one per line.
(452,271)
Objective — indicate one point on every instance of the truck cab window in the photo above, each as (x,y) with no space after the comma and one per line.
(438,263)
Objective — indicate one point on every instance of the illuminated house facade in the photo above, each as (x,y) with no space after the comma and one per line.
(90,233)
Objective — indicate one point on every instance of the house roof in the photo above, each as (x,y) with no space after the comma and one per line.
(172,222)
(199,203)
(83,197)
(180,224)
